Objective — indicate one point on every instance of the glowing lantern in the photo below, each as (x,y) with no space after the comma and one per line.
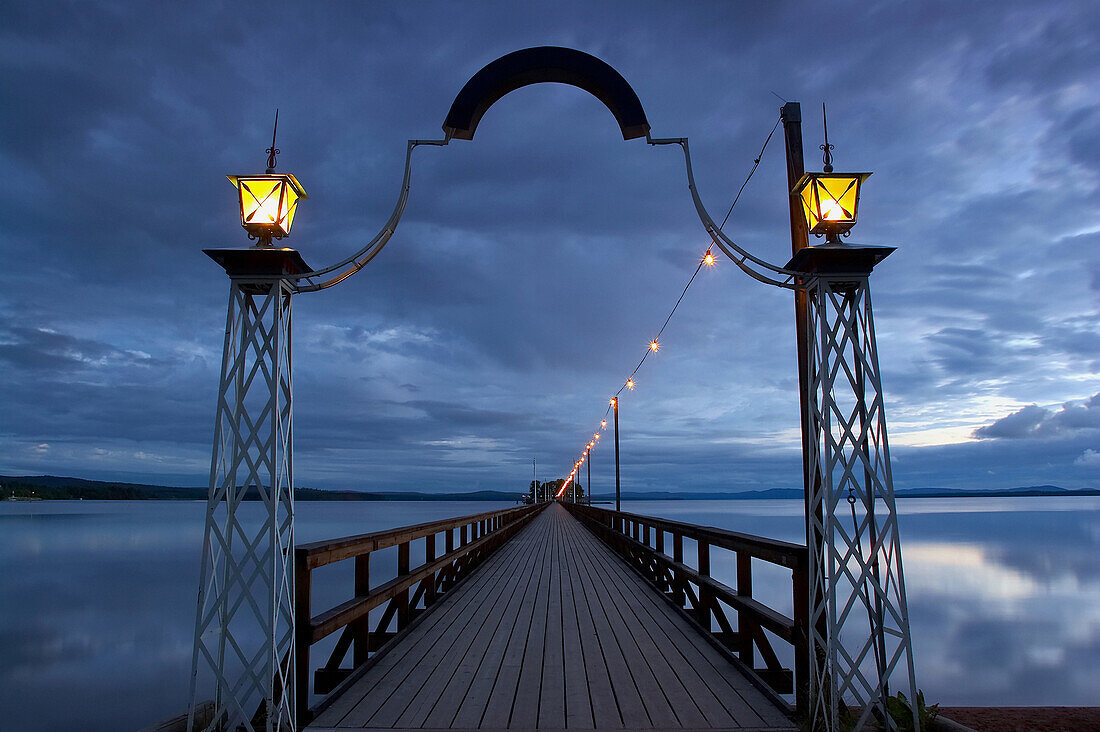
(830,202)
(708,259)
(630,384)
(654,345)
(268,203)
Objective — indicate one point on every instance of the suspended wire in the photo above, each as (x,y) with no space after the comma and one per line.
(755,165)
(662,330)
(654,345)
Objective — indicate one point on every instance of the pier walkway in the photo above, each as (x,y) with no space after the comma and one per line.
(553,631)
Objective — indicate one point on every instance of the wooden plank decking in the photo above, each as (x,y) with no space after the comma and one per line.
(553,632)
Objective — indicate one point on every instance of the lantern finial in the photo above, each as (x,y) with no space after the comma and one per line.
(827,157)
(273,151)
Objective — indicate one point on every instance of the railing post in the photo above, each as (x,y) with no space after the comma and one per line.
(450,540)
(678,557)
(801,581)
(704,595)
(660,549)
(429,556)
(360,649)
(302,639)
(746,628)
(403,598)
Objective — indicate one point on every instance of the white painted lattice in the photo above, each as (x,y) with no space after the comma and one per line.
(859,624)
(244,629)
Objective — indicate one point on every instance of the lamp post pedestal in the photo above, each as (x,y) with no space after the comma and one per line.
(244,628)
(859,623)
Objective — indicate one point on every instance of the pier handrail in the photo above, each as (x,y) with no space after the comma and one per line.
(640,540)
(468,540)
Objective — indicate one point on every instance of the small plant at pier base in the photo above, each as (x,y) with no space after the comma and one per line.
(902,712)
(897,706)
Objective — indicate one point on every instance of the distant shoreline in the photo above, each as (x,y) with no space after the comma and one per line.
(48,487)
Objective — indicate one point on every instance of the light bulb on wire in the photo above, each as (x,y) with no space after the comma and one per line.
(630,384)
(654,345)
(708,258)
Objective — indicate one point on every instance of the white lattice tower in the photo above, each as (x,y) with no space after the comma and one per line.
(244,630)
(860,649)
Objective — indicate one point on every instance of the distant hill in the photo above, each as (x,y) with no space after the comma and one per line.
(1032,490)
(49,487)
(772,493)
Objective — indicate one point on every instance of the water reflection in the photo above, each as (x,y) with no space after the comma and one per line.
(97,602)
(1004,593)
(97,599)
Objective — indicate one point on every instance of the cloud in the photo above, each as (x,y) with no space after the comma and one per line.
(534,262)
(1023,423)
(1036,421)
(46,350)
(1089,458)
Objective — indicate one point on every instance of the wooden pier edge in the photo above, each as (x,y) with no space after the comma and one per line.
(640,541)
(479,536)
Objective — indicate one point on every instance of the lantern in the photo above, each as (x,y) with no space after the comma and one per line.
(268,203)
(829,202)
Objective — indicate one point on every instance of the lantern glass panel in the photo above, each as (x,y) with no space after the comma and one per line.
(830,201)
(260,201)
(289,207)
(268,203)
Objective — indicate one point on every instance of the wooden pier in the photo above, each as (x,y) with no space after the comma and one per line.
(532,621)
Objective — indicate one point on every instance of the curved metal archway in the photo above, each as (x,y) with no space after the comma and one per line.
(539,65)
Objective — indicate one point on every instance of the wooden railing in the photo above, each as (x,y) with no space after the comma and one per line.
(467,541)
(642,541)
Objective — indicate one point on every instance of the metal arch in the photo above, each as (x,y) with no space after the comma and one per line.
(771,274)
(354,263)
(757,268)
(538,65)
(533,66)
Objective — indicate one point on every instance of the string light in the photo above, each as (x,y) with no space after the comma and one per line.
(708,260)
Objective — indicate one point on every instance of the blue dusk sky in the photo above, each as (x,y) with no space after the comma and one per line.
(535,262)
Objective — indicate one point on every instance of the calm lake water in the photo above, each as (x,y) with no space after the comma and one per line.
(97,599)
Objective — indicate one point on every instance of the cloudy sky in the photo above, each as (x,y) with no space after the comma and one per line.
(535,262)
